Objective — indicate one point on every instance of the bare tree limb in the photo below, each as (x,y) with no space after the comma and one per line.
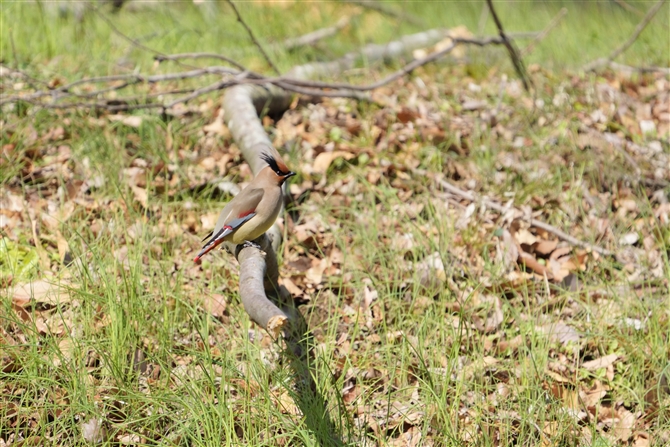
(633,37)
(370,53)
(252,37)
(258,281)
(472,197)
(407,69)
(513,53)
(243,104)
(552,24)
(629,69)
(295,81)
(315,36)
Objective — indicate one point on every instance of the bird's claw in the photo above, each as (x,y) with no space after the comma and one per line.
(252,244)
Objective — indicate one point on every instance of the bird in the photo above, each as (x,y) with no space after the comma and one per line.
(253,211)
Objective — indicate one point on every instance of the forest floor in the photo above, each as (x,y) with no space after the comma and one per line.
(433,320)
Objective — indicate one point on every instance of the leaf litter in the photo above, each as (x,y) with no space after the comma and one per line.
(370,241)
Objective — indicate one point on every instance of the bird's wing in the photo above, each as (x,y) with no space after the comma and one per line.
(234,215)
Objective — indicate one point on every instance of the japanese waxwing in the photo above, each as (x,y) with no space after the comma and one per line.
(254,210)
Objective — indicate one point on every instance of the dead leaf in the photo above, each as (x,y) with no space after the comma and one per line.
(559,252)
(527,260)
(602,362)
(560,332)
(63,246)
(544,248)
(323,161)
(293,289)
(495,316)
(629,239)
(217,127)
(593,395)
(315,273)
(215,304)
(93,431)
(622,424)
(41,291)
(510,251)
(641,439)
(140,195)
(127,120)
(524,236)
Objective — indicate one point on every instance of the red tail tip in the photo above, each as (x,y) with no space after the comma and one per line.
(196,259)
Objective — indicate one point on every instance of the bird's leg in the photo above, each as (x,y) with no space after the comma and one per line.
(252,244)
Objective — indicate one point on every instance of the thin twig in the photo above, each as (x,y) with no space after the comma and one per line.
(175,57)
(30,78)
(552,24)
(315,36)
(336,93)
(199,92)
(313,88)
(630,69)
(623,47)
(513,53)
(483,18)
(628,7)
(129,39)
(129,79)
(472,197)
(253,38)
(116,31)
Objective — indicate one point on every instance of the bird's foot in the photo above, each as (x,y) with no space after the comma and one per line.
(252,244)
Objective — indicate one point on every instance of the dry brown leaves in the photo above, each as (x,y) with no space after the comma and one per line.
(485,266)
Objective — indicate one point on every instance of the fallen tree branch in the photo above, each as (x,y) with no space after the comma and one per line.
(252,37)
(472,197)
(243,105)
(519,67)
(315,36)
(258,281)
(295,81)
(633,37)
(628,69)
(370,53)
(407,69)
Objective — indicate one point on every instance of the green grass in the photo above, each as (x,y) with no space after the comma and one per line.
(131,342)
(89,47)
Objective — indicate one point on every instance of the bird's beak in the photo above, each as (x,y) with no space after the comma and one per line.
(286,176)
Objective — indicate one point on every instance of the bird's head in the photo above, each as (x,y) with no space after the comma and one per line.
(280,172)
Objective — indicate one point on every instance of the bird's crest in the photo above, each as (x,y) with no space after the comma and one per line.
(276,165)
